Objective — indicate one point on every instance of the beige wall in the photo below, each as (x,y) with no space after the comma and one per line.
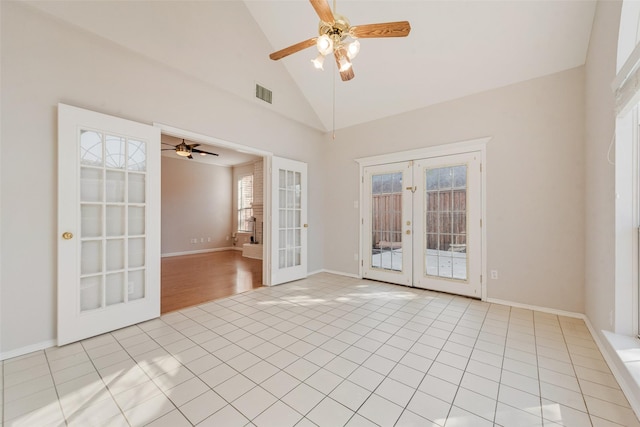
(45,61)
(534,194)
(196,204)
(600,71)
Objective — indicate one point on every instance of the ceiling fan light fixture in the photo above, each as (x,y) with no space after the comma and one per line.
(318,61)
(353,48)
(183,153)
(324,44)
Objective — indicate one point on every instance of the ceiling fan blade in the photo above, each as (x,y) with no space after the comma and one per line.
(192,145)
(195,150)
(344,75)
(385,29)
(293,49)
(323,10)
(166,143)
(168,149)
(347,75)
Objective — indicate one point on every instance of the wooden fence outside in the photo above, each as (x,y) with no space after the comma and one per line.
(446,212)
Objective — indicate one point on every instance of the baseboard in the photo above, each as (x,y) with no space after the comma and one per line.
(536,308)
(200,251)
(338,273)
(621,378)
(605,350)
(28,349)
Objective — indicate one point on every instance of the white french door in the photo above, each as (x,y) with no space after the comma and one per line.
(388,224)
(108,223)
(288,220)
(422,226)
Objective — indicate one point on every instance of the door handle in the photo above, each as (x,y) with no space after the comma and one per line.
(67,235)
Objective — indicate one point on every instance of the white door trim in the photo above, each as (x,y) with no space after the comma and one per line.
(266,175)
(460,147)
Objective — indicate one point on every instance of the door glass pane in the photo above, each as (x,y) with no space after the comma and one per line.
(136,253)
(136,188)
(114,152)
(91,257)
(115,186)
(136,220)
(137,156)
(115,254)
(91,221)
(90,185)
(136,285)
(114,289)
(445,237)
(90,293)
(90,148)
(386,221)
(115,221)
(298,190)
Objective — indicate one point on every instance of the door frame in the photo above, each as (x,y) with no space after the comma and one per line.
(461,147)
(266,155)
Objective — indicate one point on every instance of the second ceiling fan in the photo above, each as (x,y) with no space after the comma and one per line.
(186,150)
(333,37)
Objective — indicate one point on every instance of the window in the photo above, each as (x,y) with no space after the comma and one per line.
(245,199)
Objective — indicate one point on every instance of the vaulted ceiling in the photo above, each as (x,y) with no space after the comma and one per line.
(455,48)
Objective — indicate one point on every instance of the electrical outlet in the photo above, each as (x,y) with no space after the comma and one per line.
(208,239)
(355,256)
(355,204)
(494,274)
(202,240)
(194,241)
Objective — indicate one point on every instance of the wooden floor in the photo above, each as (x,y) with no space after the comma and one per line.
(195,279)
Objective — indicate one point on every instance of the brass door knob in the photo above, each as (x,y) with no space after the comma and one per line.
(67,235)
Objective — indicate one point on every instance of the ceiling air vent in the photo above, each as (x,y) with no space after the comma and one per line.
(264,94)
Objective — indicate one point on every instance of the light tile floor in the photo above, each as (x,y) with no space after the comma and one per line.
(326,351)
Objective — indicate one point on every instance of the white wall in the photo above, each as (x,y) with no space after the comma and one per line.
(45,61)
(196,203)
(535,191)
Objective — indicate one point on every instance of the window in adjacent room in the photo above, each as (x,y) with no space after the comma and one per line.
(245,199)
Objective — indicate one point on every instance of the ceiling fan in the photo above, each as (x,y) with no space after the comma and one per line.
(334,33)
(185,150)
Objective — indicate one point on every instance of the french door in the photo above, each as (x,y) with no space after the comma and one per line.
(288,220)
(422,225)
(108,223)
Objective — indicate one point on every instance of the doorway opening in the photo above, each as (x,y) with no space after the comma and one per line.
(212,216)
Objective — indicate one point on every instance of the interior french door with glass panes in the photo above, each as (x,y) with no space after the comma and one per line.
(422,223)
(288,220)
(108,223)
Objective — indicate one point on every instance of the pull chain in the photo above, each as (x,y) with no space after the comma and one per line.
(334,88)
(334,105)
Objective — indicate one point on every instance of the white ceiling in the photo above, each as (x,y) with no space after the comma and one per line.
(456,48)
